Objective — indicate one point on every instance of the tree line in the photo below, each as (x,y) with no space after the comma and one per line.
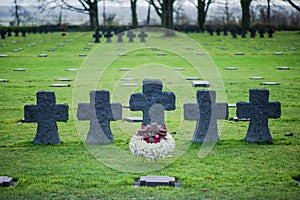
(163,8)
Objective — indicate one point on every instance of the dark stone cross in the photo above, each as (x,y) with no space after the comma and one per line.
(9,31)
(46,113)
(16,32)
(3,34)
(261,33)
(259,110)
(23,33)
(100,112)
(206,111)
(108,36)
(142,36)
(130,35)
(120,37)
(153,102)
(252,32)
(270,32)
(97,37)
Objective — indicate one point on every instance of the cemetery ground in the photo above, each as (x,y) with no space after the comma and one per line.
(234,169)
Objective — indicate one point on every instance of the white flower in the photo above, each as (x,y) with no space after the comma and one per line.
(151,151)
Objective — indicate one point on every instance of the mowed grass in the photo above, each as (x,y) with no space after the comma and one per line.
(232,170)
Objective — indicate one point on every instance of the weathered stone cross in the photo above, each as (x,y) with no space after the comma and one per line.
(100,112)
(153,102)
(108,36)
(46,113)
(130,35)
(97,37)
(142,36)
(259,110)
(206,111)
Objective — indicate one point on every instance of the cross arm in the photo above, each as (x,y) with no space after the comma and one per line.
(137,102)
(116,109)
(243,110)
(83,111)
(30,113)
(191,111)
(168,100)
(220,111)
(62,112)
(274,110)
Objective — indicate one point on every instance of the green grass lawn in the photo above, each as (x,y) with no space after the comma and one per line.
(232,170)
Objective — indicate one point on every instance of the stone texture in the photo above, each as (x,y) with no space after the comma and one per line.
(46,113)
(59,85)
(152,102)
(270,83)
(157,181)
(259,110)
(100,112)
(6,181)
(19,70)
(206,111)
(142,36)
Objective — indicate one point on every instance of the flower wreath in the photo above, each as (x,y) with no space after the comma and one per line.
(152,142)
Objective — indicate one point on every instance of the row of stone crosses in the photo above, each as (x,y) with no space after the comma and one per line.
(108,35)
(152,101)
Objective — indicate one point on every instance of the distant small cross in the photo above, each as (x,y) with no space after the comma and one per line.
(259,110)
(152,101)
(97,37)
(100,112)
(120,35)
(130,35)
(142,36)
(206,111)
(261,32)
(46,113)
(108,36)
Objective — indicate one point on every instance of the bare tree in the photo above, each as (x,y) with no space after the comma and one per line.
(134,20)
(17,13)
(293,4)
(86,6)
(202,8)
(246,17)
(164,9)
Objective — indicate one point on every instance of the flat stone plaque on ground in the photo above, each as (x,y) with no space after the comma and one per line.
(283,68)
(200,84)
(128,79)
(82,55)
(133,119)
(43,55)
(59,85)
(122,54)
(161,54)
(256,78)
(19,69)
(72,69)
(179,69)
(4,80)
(129,84)
(231,105)
(152,181)
(200,53)
(125,69)
(270,83)
(6,181)
(278,53)
(192,78)
(63,79)
(52,49)
(239,53)
(231,68)
(292,49)
(4,55)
